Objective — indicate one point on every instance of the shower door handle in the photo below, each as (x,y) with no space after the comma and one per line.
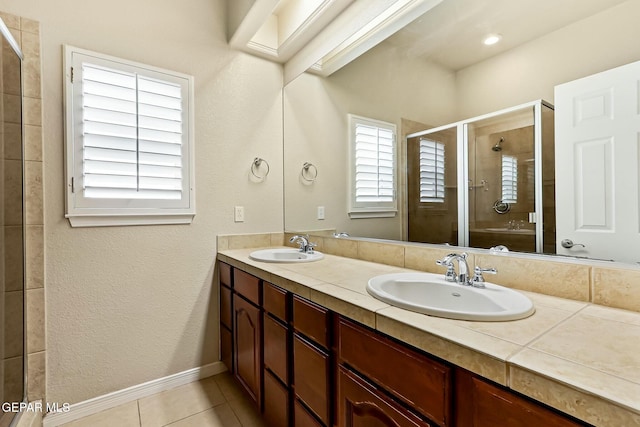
(568,244)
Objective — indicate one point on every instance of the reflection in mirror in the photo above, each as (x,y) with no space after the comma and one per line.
(432,82)
(488,170)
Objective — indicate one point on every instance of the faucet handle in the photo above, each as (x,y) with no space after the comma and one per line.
(310,246)
(478,278)
(450,275)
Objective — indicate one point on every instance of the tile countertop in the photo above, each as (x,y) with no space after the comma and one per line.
(580,358)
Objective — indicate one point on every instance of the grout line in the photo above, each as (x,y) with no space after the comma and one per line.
(139,414)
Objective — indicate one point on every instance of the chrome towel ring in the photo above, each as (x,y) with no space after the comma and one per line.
(309,172)
(255,168)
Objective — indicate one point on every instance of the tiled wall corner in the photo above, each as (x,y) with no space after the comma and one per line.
(34,205)
(27,34)
(619,288)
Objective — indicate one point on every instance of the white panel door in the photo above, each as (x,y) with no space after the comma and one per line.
(597,159)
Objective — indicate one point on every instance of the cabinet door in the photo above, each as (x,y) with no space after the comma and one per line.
(311,371)
(247,346)
(486,405)
(360,405)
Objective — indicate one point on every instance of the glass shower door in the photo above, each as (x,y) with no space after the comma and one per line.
(502,191)
(432,186)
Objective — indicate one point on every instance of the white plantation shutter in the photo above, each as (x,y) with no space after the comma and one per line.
(431,171)
(373,166)
(129,128)
(509,179)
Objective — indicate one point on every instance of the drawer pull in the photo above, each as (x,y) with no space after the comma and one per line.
(368,409)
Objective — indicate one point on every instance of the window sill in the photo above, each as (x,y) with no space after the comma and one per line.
(372,214)
(127,220)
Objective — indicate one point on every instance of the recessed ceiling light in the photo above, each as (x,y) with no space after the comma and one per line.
(492,39)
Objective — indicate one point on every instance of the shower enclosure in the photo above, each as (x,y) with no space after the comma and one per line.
(12,334)
(486,181)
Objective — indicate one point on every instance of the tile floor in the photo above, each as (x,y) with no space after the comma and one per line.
(212,402)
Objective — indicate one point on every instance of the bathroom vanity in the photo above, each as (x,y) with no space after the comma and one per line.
(310,353)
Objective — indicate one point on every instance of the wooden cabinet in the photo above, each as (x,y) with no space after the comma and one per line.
(361,405)
(277,360)
(276,402)
(312,362)
(303,418)
(305,366)
(226,316)
(482,404)
(247,346)
(247,333)
(417,380)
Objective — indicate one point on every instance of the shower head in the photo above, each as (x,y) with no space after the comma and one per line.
(498,147)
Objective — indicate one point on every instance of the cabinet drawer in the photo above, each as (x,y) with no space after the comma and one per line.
(360,404)
(423,383)
(225,274)
(275,348)
(311,320)
(274,300)
(276,402)
(311,370)
(247,285)
(225,306)
(488,405)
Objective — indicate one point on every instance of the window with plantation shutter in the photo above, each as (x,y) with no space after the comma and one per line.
(373,167)
(509,179)
(431,171)
(129,142)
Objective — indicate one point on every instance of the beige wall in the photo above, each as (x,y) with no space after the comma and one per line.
(127,305)
(529,72)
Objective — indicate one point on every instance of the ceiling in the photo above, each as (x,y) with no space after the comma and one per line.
(451,33)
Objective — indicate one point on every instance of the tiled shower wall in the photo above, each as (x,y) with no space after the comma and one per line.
(27,34)
(12,223)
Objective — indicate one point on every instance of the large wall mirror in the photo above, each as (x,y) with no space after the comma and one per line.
(433,72)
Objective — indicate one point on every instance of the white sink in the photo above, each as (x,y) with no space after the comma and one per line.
(430,294)
(284,255)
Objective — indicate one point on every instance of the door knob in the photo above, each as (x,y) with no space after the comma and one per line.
(568,244)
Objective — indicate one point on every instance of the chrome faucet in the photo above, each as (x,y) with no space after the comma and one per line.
(305,245)
(463,277)
(463,268)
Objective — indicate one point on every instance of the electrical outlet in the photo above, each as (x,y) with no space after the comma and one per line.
(320,212)
(238,213)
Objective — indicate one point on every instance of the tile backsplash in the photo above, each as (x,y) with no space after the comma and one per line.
(613,285)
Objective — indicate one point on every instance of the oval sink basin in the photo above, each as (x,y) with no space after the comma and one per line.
(430,294)
(284,255)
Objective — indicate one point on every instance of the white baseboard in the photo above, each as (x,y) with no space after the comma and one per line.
(116,398)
